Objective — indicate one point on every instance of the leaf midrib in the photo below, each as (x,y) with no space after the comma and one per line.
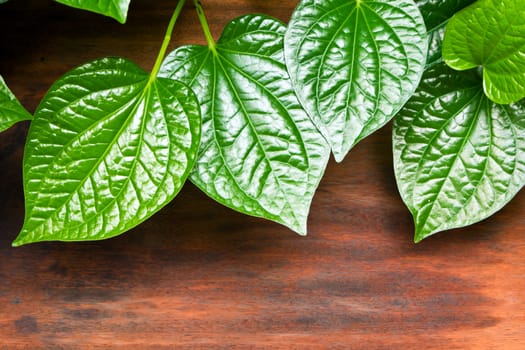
(436,134)
(422,224)
(323,58)
(214,135)
(489,153)
(297,134)
(500,38)
(252,127)
(419,114)
(379,80)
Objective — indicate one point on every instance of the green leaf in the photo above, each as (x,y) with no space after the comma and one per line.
(118,9)
(11,111)
(354,64)
(437,14)
(260,153)
(458,156)
(491,34)
(109,146)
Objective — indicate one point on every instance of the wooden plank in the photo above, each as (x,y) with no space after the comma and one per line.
(198,275)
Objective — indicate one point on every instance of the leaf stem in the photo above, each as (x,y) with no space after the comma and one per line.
(167,39)
(205,27)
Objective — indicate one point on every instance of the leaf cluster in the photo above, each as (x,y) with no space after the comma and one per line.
(252,118)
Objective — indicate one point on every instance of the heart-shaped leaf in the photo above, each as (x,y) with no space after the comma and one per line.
(354,63)
(109,146)
(118,9)
(491,34)
(458,156)
(260,153)
(11,111)
(437,15)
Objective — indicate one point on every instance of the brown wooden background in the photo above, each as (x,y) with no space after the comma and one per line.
(198,275)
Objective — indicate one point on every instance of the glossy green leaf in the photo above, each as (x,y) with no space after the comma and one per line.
(108,148)
(437,14)
(354,63)
(458,156)
(260,153)
(490,33)
(11,111)
(118,9)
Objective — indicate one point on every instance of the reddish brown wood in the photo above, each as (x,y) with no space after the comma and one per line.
(198,275)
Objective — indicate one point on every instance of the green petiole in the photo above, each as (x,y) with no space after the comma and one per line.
(205,27)
(167,39)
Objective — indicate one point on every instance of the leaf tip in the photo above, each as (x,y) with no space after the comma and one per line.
(22,239)
(339,155)
(341,148)
(17,243)
(299,227)
(339,158)
(421,233)
(302,233)
(121,17)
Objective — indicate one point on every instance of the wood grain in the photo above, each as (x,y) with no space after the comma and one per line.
(200,276)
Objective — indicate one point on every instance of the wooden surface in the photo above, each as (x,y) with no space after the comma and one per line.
(198,275)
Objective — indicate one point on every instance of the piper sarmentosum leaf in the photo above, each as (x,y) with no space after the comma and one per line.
(109,146)
(490,33)
(118,9)
(11,111)
(260,154)
(354,63)
(458,156)
(436,15)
